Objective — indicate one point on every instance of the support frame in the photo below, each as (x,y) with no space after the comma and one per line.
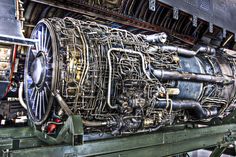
(21,142)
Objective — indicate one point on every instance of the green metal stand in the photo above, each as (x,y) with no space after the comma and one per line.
(21,142)
(71,133)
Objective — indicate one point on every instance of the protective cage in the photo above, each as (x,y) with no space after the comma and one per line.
(122,83)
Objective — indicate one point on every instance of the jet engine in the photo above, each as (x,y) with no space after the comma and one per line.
(120,82)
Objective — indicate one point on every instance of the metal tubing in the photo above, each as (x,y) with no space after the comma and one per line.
(182,51)
(179,50)
(175,75)
(110,70)
(62,103)
(20,95)
(94,123)
(186,52)
(200,112)
(158,37)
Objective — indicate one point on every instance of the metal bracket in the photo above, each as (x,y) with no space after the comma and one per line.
(211,27)
(175,13)
(152,5)
(194,21)
(224,33)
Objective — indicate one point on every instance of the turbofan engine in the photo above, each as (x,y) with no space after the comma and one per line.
(120,82)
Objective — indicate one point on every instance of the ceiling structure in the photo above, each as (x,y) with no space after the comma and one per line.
(133,15)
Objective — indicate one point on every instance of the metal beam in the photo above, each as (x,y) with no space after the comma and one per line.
(154,144)
(17,138)
(95,11)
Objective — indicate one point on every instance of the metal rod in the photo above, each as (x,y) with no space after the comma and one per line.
(20,95)
(62,103)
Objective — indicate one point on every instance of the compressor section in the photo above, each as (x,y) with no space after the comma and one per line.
(120,82)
